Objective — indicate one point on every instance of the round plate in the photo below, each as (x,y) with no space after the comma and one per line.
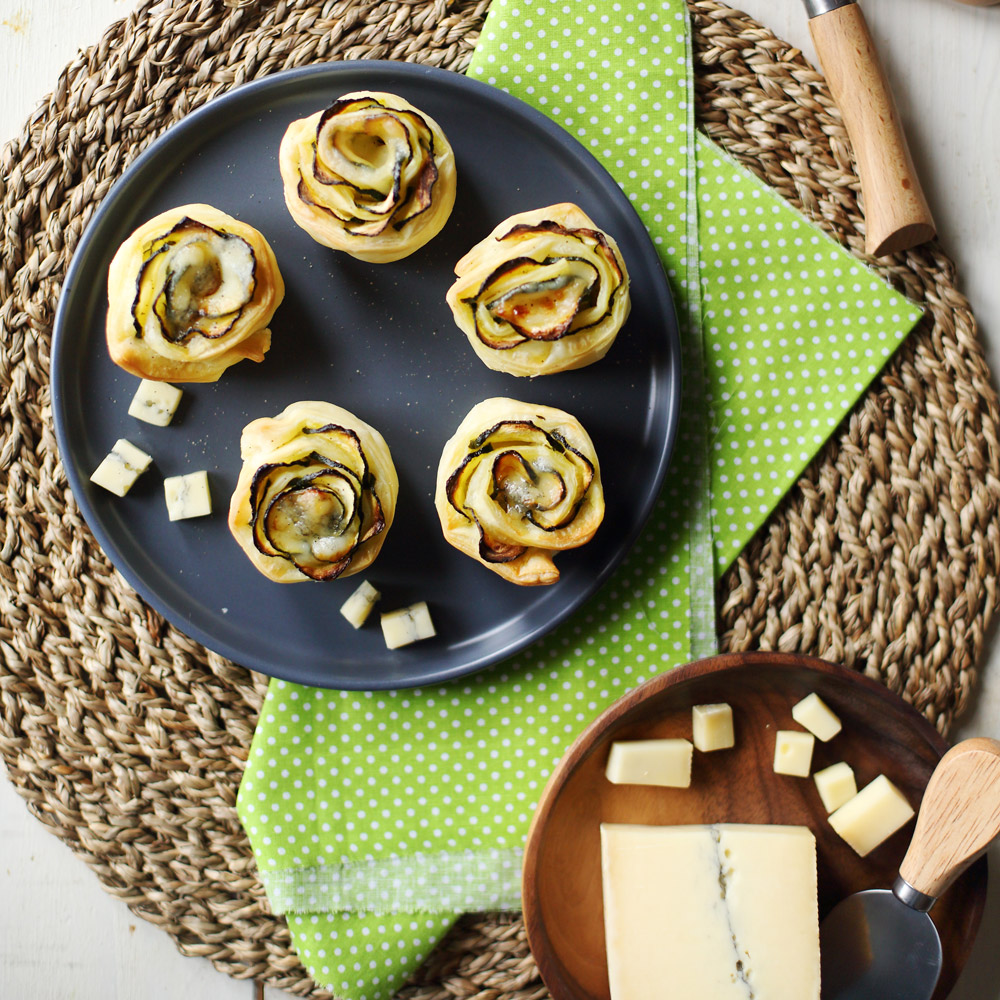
(563,909)
(380,341)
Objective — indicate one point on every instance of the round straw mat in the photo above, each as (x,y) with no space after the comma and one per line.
(128,740)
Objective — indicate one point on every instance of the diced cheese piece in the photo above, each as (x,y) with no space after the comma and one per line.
(358,606)
(121,468)
(873,815)
(814,714)
(155,402)
(835,785)
(793,752)
(712,727)
(720,912)
(187,496)
(400,628)
(650,762)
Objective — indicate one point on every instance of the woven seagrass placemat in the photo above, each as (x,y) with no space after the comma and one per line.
(128,740)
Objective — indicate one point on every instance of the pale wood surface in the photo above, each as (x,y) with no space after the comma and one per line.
(61,936)
(896,213)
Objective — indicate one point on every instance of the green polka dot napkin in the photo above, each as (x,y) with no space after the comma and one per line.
(378,818)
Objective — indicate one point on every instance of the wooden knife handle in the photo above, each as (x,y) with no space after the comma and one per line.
(959,816)
(896,212)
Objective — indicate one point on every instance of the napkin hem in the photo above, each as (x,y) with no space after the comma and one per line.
(468,881)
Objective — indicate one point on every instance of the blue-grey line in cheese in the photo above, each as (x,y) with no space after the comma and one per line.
(720,912)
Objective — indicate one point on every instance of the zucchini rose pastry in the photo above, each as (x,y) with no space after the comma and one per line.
(316,495)
(371,176)
(190,293)
(545,292)
(517,484)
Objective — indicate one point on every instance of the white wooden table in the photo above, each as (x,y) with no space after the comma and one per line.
(61,936)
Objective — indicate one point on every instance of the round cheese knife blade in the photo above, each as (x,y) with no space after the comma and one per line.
(881,945)
(875,947)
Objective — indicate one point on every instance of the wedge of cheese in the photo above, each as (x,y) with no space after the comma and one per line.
(721,912)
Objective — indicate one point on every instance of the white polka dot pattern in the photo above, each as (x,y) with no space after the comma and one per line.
(794,331)
(622,87)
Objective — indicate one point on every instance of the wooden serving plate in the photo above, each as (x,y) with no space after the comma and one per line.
(563,910)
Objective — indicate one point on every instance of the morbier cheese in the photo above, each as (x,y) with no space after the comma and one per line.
(722,912)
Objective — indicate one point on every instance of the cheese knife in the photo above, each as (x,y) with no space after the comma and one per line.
(881,944)
(896,213)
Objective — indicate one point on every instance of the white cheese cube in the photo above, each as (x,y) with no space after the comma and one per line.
(358,606)
(814,714)
(155,402)
(400,628)
(873,815)
(712,727)
(666,763)
(835,785)
(710,912)
(187,496)
(121,468)
(793,752)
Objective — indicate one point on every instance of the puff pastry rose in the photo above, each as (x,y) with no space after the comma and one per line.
(190,293)
(546,291)
(517,484)
(371,175)
(316,495)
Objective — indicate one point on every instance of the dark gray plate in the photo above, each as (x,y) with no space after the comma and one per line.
(378,339)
